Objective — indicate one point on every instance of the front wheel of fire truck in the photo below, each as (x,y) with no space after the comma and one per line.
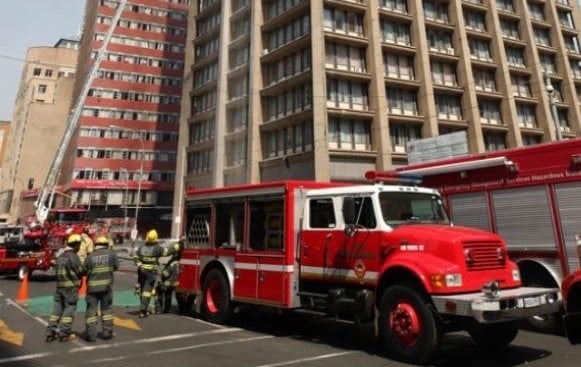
(493,336)
(216,303)
(407,326)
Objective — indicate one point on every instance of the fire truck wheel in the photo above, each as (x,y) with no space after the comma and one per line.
(22,272)
(216,302)
(493,336)
(407,326)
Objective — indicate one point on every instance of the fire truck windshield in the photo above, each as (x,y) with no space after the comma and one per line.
(68,217)
(410,207)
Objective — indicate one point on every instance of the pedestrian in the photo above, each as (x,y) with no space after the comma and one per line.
(168,283)
(147,262)
(69,270)
(87,245)
(100,267)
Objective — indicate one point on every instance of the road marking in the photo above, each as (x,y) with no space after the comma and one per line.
(181,349)
(10,336)
(309,359)
(126,323)
(117,344)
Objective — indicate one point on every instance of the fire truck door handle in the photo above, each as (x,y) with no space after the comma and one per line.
(261,276)
(305,250)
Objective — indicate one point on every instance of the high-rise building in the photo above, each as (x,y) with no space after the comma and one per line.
(122,160)
(329,89)
(39,117)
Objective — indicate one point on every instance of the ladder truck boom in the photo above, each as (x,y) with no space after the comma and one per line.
(46,194)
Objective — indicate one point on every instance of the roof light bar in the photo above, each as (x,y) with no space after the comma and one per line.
(393,177)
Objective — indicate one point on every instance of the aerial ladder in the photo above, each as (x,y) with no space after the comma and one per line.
(46,195)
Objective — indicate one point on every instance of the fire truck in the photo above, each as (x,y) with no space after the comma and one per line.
(383,252)
(20,255)
(572,300)
(531,196)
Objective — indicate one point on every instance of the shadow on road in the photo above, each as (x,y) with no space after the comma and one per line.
(458,349)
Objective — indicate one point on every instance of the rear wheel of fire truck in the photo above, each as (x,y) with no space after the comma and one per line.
(22,272)
(407,326)
(216,305)
(494,336)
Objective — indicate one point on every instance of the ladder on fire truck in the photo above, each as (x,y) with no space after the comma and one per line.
(46,195)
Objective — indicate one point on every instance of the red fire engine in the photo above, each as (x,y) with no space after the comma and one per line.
(21,256)
(384,252)
(531,196)
(572,301)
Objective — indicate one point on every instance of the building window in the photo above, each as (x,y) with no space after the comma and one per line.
(341,21)
(494,141)
(440,41)
(479,49)
(484,79)
(42,88)
(537,11)
(48,73)
(444,73)
(526,116)
(571,43)
(289,102)
(345,57)
(566,19)
(398,6)
(402,101)
(515,56)
(506,5)
(489,112)
(563,116)
(236,153)
(521,86)
(293,139)
(529,139)
(575,68)
(449,107)
(396,32)
(349,134)
(510,28)
(548,63)
(436,11)
(238,119)
(346,94)
(475,20)
(542,36)
(401,134)
(399,66)
(36,72)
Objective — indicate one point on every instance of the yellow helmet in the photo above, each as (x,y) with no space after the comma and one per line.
(102,241)
(74,239)
(151,236)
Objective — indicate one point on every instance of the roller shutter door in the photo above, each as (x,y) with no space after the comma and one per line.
(569,204)
(470,210)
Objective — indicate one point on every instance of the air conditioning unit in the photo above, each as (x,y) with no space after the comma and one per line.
(450,50)
(399,149)
(264,51)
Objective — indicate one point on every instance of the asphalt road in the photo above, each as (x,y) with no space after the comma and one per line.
(253,339)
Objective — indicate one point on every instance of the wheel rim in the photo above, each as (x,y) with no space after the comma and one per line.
(404,323)
(21,272)
(213,296)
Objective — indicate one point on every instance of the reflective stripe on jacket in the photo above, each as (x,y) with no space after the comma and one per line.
(99,267)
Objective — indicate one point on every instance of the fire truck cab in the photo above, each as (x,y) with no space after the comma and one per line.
(355,252)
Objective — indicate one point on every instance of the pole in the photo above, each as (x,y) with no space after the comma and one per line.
(551,92)
(125,201)
(140,180)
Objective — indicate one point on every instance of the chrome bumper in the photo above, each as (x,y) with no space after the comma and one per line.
(511,304)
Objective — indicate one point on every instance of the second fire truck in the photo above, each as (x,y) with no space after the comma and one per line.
(379,252)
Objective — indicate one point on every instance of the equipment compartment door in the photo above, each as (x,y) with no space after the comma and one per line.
(245,276)
(273,279)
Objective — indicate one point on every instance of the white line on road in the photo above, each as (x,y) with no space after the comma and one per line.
(116,344)
(181,349)
(309,359)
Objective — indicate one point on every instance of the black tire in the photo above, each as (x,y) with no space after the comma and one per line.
(494,336)
(547,323)
(402,306)
(22,272)
(216,304)
(185,303)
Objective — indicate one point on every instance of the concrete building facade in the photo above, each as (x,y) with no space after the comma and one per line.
(123,157)
(40,113)
(326,90)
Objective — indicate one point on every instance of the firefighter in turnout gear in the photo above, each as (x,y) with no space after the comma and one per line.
(147,261)
(100,266)
(69,270)
(169,281)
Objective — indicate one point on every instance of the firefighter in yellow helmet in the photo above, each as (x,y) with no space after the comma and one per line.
(69,270)
(100,266)
(147,261)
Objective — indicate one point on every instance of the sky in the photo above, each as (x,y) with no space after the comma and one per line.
(31,23)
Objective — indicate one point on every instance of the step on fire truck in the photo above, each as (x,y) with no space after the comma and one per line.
(530,196)
(378,252)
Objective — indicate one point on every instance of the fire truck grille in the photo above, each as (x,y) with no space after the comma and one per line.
(484,256)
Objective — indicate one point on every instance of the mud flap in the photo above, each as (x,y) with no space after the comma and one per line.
(573,327)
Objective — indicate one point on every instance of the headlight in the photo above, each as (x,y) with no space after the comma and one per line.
(516,275)
(446,280)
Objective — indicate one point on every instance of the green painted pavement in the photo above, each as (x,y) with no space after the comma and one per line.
(42,306)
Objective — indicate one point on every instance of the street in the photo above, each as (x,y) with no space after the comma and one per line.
(252,339)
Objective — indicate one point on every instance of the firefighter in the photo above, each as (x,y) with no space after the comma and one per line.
(147,261)
(100,267)
(169,280)
(69,270)
(87,245)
